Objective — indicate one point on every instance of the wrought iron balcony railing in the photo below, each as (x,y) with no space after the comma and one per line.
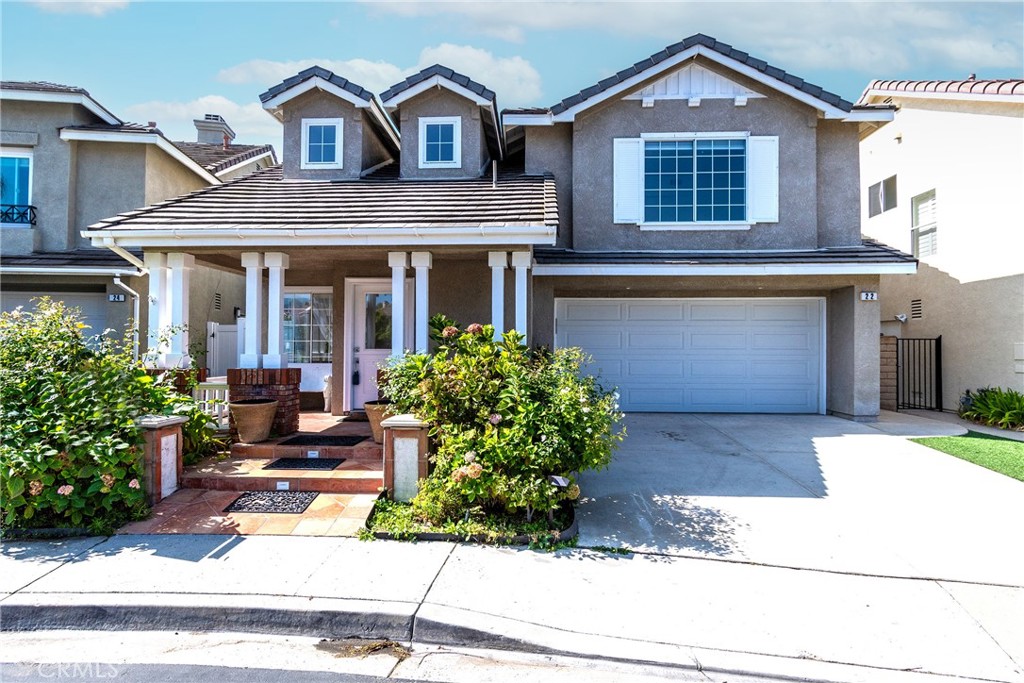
(17,214)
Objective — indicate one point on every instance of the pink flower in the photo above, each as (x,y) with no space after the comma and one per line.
(65,490)
(35,488)
(133,484)
(473,470)
(449,332)
(475,328)
(494,419)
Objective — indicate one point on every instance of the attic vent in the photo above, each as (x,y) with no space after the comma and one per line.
(916,309)
(216,301)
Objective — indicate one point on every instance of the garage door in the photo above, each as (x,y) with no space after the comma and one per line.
(93,306)
(701,355)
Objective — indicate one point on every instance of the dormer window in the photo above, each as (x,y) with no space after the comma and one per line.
(441,142)
(322,143)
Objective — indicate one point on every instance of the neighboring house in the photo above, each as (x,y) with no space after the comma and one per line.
(942,181)
(691,221)
(67,162)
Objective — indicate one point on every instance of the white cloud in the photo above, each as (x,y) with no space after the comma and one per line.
(513,78)
(96,8)
(250,122)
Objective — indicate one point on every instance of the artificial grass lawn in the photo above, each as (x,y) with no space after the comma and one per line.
(997,454)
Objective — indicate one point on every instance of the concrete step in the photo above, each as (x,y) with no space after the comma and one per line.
(247,474)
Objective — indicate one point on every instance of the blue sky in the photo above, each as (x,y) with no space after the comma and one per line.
(170,62)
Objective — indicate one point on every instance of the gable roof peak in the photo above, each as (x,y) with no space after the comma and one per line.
(440,71)
(320,72)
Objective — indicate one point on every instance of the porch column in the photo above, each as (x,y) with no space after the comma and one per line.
(159,313)
(253,263)
(498,261)
(179,267)
(521,262)
(422,261)
(275,356)
(399,261)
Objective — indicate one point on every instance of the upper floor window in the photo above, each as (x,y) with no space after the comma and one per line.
(16,187)
(696,181)
(322,143)
(925,227)
(440,142)
(882,196)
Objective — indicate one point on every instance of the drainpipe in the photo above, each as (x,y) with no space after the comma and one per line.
(135,316)
(494,174)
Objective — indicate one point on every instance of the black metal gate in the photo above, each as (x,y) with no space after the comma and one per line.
(919,373)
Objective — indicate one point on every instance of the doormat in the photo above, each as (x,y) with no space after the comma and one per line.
(322,440)
(304,464)
(293,502)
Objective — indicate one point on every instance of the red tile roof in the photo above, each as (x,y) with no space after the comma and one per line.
(973,86)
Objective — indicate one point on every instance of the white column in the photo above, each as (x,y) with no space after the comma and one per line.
(253,264)
(498,261)
(422,261)
(521,262)
(399,261)
(159,313)
(276,263)
(179,267)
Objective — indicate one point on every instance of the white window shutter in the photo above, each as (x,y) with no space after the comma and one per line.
(628,159)
(763,179)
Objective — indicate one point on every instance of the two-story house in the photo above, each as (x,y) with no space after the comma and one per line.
(939,181)
(66,162)
(692,222)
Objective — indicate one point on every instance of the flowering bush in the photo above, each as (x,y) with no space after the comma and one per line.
(510,427)
(71,451)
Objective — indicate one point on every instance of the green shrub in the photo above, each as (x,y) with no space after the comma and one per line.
(70,446)
(504,421)
(994,406)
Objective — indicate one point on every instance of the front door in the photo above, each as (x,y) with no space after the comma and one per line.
(371,327)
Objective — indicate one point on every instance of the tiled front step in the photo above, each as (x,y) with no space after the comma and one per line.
(246,474)
(365,451)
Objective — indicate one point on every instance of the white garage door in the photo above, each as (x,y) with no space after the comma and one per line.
(93,306)
(702,355)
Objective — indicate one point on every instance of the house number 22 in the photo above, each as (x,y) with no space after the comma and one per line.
(869,296)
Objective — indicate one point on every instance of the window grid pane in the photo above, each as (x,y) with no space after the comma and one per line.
(687,181)
(322,144)
(439,146)
(308,327)
(14,172)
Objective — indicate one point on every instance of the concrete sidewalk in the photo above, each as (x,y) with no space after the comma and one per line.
(687,612)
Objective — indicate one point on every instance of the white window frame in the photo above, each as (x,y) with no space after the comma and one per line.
(298,289)
(24,154)
(701,225)
(339,142)
(456,122)
(918,229)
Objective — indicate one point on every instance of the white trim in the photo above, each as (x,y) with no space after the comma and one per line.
(822,324)
(698,270)
(21,153)
(250,160)
(323,237)
(545,119)
(126,255)
(61,97)
(273,105)
(368,171)
(970,97)
(693,227)
(654,137)
(456,124)
(144,138)
(439,81)
(339,144)
(385,119)
(299,289)
(63,270)
(879,115)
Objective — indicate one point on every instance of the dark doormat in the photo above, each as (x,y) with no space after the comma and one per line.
(293,502)
(322,440)
(304,464)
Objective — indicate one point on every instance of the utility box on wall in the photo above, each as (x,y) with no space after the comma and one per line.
(162,456)
(405,455)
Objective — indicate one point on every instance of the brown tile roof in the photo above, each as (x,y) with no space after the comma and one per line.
(444,72)
(264,200)
(316,72)
(126,127)
(869,251)
(79,258)
(215,158)
(972,86)
(42,86)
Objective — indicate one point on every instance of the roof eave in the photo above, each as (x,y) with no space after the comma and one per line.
(275,104)
(151,138)
(62,97)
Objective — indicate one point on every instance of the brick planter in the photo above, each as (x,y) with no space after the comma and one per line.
(181,377)
(282,385)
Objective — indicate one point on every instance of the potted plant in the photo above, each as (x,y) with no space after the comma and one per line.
(253,418)
(377,412)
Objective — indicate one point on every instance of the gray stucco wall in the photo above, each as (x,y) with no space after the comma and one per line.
(166,177)
(593,187)
(549,150)
(838,184)
(853,353)
(205,282)
(111,178)
(320,105)
(981,323)
(441,102)
(52,166)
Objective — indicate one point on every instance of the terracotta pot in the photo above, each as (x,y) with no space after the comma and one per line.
(253,418)
(377,412)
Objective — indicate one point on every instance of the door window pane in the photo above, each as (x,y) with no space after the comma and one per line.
(378,321)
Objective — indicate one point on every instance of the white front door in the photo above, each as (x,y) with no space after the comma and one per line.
(371,308)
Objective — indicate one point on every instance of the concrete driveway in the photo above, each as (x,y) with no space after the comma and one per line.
(807,491)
